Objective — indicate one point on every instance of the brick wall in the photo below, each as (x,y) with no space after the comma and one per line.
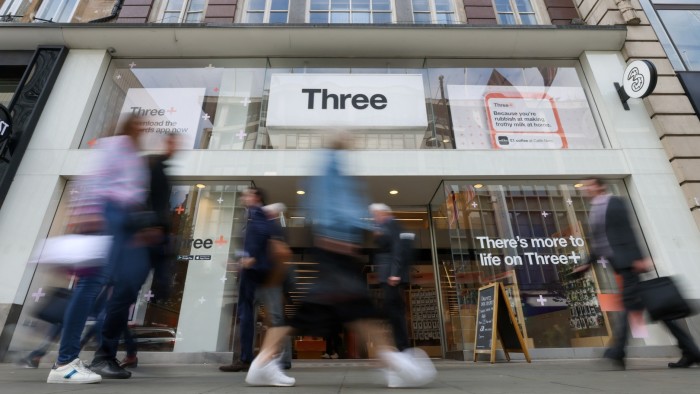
(480,12)
(221,11)
(561,12)
(135,11)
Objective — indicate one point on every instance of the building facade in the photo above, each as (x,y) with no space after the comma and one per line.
(475,120)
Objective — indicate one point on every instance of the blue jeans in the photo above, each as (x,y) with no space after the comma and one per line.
(79,307)
(128,268)
(246,314)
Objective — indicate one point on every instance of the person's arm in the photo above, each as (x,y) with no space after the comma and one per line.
(257,234)
(621,236)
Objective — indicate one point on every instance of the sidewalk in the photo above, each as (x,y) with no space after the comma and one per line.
(350,376)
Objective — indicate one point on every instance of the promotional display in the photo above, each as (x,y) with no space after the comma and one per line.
(166,111)
(347,102)
(521,117)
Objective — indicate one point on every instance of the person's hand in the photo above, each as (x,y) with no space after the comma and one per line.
(247,262)
(642,265)
(393,280)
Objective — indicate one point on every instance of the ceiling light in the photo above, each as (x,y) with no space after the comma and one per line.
(301,192)
(200,186)
(478,186)
(393,192)
(578,185)
(446,140)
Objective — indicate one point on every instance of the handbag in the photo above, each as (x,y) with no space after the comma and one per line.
(663,300)
(53,307)
(73,250)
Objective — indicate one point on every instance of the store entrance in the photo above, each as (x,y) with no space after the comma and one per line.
(422,310)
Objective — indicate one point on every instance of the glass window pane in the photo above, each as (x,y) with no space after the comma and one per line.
(255,17)
(278,17)
(421,17)
(503,6)
(528,19)
(318,17)
(506,19)
(443,5)
(684,28)
(421,5)
(381,17)
(256,5)
(281,5)
(340,4)
(524,5)
(381,5)
(197,5)
(194,17)
(174,5)
(360,17)
(340,17)
(171,17)
(445,18)
(319,4)
(67,11)
(360,5)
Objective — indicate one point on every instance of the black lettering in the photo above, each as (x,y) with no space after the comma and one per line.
(208,243)
(197,243)
(378,101)
(343,98)
(325,98)
(311,93)
(360,101)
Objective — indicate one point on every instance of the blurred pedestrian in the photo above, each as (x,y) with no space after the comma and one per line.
(124,187)
(255,268)
(337,211)
(613,239)
(392,269)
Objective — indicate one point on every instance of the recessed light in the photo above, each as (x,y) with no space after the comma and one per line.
(478,186)
(393,192)
(446,140)
(200,186)
(301,192)
(578,185)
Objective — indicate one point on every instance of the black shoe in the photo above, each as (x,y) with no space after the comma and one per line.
(109,369)
(238,366)
(614,364)
(29,362)
(684,362)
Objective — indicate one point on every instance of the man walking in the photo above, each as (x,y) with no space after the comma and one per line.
(613,239)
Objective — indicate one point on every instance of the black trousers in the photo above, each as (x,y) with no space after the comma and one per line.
(395,311)
(630,299)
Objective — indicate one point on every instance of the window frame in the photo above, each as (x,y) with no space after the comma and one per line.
(266,12)
(516,13)
(184,11)
(371,11)
(677,5)
(10,7)
(434,13)
(40,13)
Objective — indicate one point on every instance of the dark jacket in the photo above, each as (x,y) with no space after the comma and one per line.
(621,236)
(258,231)
(391,259)
(159,196)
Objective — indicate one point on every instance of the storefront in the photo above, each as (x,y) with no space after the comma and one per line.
(485,156)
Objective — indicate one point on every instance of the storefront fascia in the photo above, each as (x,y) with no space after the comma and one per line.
(636,156)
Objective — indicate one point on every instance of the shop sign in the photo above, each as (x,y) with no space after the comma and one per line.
(638,81)
(346,102)
(5,123)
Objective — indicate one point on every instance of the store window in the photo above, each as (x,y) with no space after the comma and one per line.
(682,22)
(548,222)
(183,11)
(207,223)
(515,12)
(433,11)
(350,11)
(267,11)
(56,11)
(231,104)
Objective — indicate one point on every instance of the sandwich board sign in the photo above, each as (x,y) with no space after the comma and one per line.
(495,321)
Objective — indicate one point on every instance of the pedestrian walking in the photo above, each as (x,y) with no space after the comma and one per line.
(613,239)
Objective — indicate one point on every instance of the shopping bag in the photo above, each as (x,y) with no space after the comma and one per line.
(74,250)
(663,300)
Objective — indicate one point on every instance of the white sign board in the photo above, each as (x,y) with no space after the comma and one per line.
(639,79)
(166,111)
(346,102)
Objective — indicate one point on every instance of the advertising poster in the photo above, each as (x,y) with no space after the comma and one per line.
(521,117)
(165,111)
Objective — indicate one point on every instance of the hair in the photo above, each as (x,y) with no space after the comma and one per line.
(599,182)
(129,124)
(379,207)
(258,192)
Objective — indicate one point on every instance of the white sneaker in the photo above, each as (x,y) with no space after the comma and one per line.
(269,374)
(74,372)
(412,368)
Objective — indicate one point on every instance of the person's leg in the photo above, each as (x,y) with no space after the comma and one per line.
(246,316)
(271,297)
(691,353)
(395,311)
(53,334)
(84,294)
